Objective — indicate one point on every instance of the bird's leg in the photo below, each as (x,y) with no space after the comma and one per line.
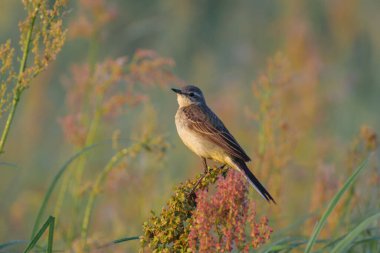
(204,174)
(221,167)
(198,182)
(205,165)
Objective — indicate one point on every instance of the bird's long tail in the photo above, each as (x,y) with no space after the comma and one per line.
(253,180)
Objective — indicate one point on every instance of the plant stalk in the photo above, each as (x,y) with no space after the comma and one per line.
(18,89)
(96,187)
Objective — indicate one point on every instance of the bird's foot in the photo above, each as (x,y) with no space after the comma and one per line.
(222,166)
(224,174)
(199,181)
(206,171)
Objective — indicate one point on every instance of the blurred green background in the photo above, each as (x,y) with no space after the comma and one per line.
(220,46)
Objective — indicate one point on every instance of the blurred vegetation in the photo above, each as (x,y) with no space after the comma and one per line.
(295,82)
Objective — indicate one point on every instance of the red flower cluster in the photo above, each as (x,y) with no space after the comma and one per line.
(226,220)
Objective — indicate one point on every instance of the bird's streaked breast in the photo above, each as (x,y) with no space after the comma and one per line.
(196,143)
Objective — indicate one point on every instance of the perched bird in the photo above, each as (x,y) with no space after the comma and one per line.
(205,134)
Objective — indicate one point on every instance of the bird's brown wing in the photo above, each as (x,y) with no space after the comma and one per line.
(203,121)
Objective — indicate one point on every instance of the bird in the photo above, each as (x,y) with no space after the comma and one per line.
(204,133)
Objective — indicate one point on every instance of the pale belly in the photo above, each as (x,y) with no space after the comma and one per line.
(199,145)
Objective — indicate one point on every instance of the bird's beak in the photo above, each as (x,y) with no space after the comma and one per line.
(178,91)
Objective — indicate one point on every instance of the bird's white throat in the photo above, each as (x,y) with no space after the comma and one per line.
(183,101)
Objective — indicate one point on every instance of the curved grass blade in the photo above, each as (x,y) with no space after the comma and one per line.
(278,244)
(328,246)
(11,243)
(368,239)
(100,178)
(53,185)
(287,245)
(355,243)
(332,205)
(48,224)
(342,245)
(126,239)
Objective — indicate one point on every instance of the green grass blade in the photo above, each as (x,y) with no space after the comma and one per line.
(51,235)
(53,185)
(126,239)
(328,245)
(11,243)
(332,205)
(287,245)
(278,244)
(368,239)
(49,223)
(342,245)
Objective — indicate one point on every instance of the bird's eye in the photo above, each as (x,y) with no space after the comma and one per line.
(191,94)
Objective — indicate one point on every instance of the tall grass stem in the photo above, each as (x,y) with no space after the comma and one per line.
(96,187)
(19,88)
(53,185)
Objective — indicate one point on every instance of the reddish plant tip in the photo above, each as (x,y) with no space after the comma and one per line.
(222,219)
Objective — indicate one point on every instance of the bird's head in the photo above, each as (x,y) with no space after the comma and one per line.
(189,95)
